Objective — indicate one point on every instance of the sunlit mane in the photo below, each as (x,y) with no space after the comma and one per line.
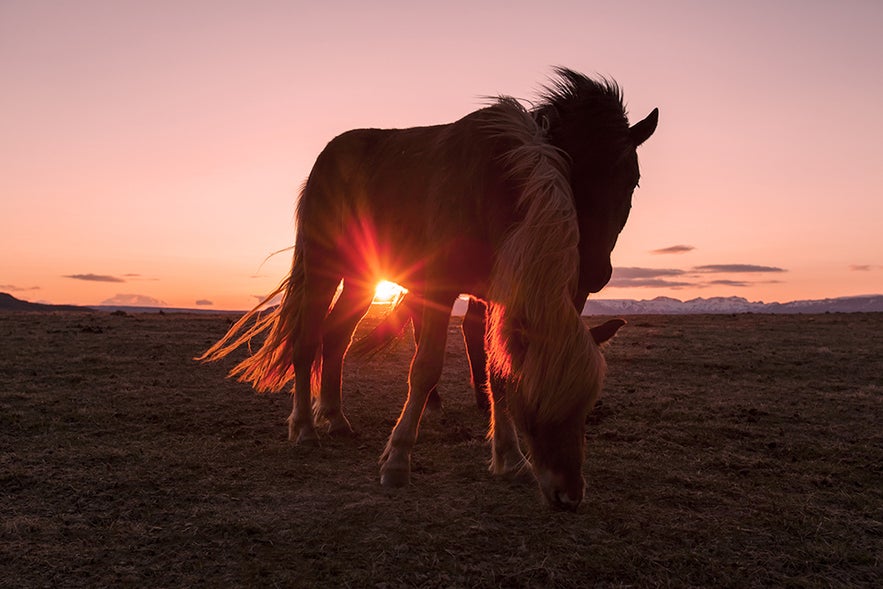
(535,336)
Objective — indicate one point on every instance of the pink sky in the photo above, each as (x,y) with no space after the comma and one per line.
(153,151)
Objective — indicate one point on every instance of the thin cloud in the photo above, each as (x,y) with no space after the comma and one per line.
(738,283)
(675,249)
(14,288)
(274,301)
(94,277)
(647,283)
(134,300)
(736,268)
(630,277)
(140,277)
(204,303)
(864,267)
(631,272)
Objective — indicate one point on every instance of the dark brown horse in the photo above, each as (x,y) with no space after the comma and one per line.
(585,119)
(483,206)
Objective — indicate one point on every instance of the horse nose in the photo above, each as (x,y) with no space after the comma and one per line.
(562,500)
(561,495)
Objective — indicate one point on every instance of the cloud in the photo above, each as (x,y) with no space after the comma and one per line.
(204,303)
(647,278)
(14,288)
(274,301)
(134,300)
(736,268)
(629,272)
(675,249)
(674,278)
(864,267)
(94,277)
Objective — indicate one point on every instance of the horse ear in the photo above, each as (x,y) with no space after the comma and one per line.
(642,130)
(605,331)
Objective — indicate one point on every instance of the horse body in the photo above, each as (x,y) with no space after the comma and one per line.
(480,206)
(585,120)
(396,209)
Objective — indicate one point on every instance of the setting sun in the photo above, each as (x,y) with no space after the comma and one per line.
(387,292)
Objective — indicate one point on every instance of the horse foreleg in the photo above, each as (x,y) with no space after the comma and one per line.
(473,335)
(426,368)
(349,309)
(506,455)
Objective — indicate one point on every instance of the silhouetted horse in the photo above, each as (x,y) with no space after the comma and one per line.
(584,119)
(483,206)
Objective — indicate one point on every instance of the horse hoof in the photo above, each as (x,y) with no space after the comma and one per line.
(343,431)
(304,437)
(339,426)
(512,467)
(394,478)
(433,403)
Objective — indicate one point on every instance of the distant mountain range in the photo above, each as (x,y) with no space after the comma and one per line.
(726,305)
(657,306)
(10,303)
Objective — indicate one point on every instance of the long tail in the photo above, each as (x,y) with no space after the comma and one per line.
(271,367)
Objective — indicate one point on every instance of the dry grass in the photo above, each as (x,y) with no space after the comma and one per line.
(729,451)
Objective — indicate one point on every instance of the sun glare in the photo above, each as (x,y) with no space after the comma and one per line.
(387,292)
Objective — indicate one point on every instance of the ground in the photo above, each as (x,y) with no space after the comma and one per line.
(729,451)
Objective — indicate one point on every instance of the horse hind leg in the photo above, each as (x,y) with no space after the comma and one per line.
(474,322)
(433,401)
(318,294)
(352,304)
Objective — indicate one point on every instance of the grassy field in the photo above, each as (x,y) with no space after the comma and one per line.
(729,451)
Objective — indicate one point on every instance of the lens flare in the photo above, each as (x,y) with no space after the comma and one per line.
(388,292)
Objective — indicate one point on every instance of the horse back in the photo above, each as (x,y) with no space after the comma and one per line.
(420,200)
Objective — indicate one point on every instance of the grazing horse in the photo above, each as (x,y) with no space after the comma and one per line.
(584,119)
(484,206)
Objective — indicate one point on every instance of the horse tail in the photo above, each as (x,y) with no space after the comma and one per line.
(535,336)
(385,334)
(271,367)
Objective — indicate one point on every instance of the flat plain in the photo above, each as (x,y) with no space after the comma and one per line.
(728,451)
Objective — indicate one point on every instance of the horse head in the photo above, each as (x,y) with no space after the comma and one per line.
(585,119)
(604,201)
(555,431)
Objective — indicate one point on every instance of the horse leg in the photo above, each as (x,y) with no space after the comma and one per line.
(473,336)
(433,403)
(506,455)
(426,368)
(318,294)
(352,304)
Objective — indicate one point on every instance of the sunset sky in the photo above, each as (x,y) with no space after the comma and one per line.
(152,152)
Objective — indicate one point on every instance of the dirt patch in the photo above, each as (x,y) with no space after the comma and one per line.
(728,451)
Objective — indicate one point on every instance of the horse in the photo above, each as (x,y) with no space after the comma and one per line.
(583,119)
(484,206)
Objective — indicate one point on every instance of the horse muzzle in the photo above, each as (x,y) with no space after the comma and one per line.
(562,492)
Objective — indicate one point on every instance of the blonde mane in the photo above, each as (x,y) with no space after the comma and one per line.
(535,338)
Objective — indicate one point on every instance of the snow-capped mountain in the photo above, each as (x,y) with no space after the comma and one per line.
(718,305)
